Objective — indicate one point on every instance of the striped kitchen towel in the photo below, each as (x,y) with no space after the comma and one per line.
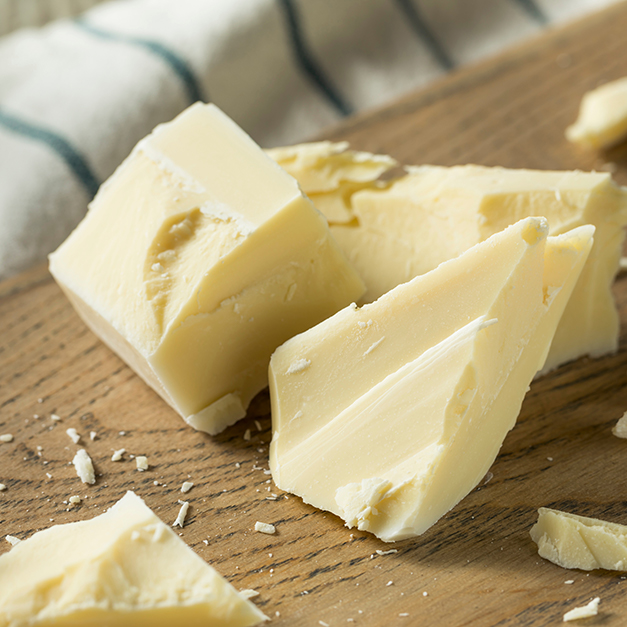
(76,95)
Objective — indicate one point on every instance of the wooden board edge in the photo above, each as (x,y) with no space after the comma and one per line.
(474,73)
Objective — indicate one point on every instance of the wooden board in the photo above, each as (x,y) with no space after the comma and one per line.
(477,566)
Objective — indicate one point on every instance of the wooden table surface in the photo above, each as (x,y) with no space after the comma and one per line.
(477,566)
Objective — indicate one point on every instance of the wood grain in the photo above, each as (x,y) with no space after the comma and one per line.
(478,565)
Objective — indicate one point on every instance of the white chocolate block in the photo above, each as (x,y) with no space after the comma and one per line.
(620,428)
(405,402)
(197,258)
(602,120)
(573,541)
(461,206)
(586,611)
(124,568)
(406,228)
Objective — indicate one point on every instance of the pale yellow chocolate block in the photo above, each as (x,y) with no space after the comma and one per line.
(443,211)
(573,541)
(602,120)
(389,414)
(124,568)
(586,611)
(197,258)
(620,428)
(330,174)
(436,213)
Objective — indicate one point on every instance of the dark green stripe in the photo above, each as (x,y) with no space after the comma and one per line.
(177,64)
(420,26)
(306,60)
(534,11)
(72,157)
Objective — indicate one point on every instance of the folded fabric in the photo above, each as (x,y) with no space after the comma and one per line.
(75,96)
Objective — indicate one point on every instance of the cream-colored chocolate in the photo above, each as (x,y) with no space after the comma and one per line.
(443,211)
(573,541)
(387,415)
(620,428)
(602,120)
(197,258)
(124,568)
(585,611)
(434,214)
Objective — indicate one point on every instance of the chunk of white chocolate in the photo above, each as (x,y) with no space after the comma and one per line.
(197,258)
(124,568)
(573,541)
(397,230)
(391,439)
(602,120)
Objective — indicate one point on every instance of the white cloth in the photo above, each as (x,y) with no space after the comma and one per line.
(75,96)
